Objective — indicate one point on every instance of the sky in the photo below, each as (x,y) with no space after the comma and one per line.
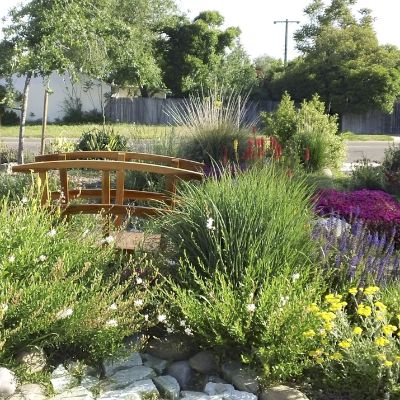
(256,19)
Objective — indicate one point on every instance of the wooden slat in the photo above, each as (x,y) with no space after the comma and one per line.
(105,188)
(170,185)
(119,196)
(43,187)
(113,209)
(97,194)
(106,166)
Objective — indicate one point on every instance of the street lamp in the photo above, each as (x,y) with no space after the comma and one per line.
(286,22)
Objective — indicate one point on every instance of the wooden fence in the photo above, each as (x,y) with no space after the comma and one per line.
(153,111)
(373,121)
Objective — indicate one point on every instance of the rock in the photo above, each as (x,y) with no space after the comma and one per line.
(334,224)
(228,368)
(159,365)
(62,380)
(89,382)
(8,382)
(214,378)
(171,348)
(182,372)
(240,395)
(213,389)
(245,379)
(327,172)
(34,360)
(282,393)
(204,362)
(189,395)
(29,391)
(76,393)
(139,390)
(125,377)
(111,366)
(168,386)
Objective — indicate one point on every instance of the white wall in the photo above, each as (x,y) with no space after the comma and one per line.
(63,88)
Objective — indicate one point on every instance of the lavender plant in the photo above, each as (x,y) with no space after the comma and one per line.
(351,254)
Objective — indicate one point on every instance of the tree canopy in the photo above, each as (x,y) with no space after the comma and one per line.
(342,61)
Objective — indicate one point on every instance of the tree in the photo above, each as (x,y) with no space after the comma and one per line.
(342,61)
(106,39)
(193,52)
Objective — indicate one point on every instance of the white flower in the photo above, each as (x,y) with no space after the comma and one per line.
(139,281)
(138,303)
(52,233)
(162,317)
(295,277)
(11,259)
(169,330)
(108,240)
(112,323)
(64,313)
(210,224)
(42,258)
(188,331)
(85,233)
(113,307)
(182,322)
(24,200)
(251,307)
(283,300)
(4,307)
(146,317)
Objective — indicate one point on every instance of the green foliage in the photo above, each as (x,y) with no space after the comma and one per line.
(355,343)
(307,129)
(102,139)
(56,292)
(193,55)
(14,186)
(213,123)
(342,61)
(367,176)
(391,167)
(245,267)
(74,114)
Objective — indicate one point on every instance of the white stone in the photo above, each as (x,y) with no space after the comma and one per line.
(125,377)
(135,391)
(337,225)
(62,380)
(29,391)
(76,393)
(204,362)
(189,395)
(240,395)
(245,379)
(213,389)
(282,393)
(89,381)
(158,364)
(8,382)
(167,386)
(34,360)
(111,366)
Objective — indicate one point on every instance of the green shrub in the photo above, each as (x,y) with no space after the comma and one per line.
(61,290)
(310,130)
(10,118)
(14,186)
(7,154)
(102,139)
(391,167)
(367,176)
(214,123)
(245,266)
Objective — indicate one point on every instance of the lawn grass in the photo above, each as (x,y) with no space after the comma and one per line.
(74,131)
(353,137)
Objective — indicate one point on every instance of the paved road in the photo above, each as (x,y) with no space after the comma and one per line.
(355,150)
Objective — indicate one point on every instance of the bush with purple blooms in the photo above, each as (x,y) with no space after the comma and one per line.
(379,210)
(352,255)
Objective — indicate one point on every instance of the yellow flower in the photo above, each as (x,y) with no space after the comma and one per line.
(336,356)
(319,360)
(345,344)
(380,306)
(235,145)
(333,298)
(388,363)
(397,358)
(389,329)
(337,306)
(313,308)
(381,341)
(328,326)
(316,353)
(218,104)
(364,310)
(309,334)
(353,291)
(327,316)
(357,330)
(322,332)
(381,357)
(370,290)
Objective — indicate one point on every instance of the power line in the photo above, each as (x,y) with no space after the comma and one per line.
(286,22)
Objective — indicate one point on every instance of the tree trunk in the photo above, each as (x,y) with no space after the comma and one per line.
(44,121)
(24,108)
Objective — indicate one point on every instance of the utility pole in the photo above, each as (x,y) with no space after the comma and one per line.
(286,22)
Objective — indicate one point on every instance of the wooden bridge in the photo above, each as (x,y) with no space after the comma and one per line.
(107,200)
